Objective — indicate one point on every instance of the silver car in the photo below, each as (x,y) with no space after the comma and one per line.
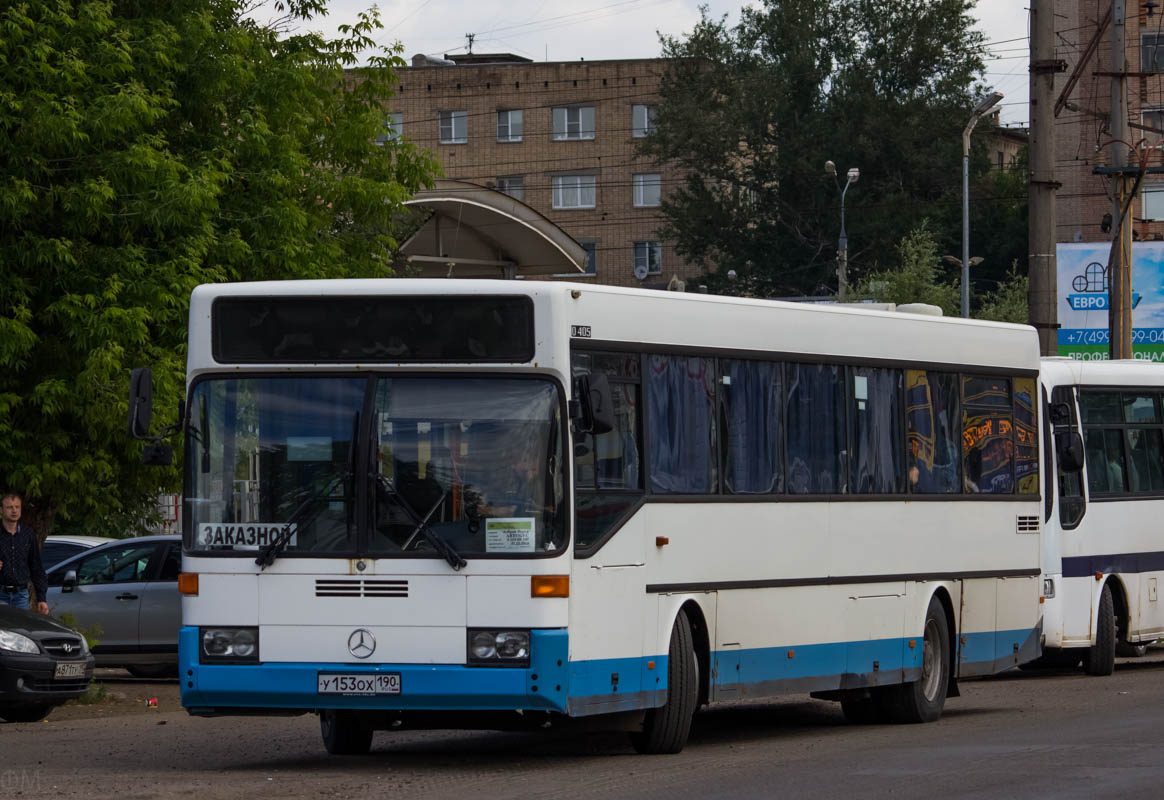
(129,589)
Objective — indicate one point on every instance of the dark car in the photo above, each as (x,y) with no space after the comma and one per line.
(42,665)
(125,593)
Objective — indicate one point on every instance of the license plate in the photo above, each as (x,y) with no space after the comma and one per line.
(353,684)
(70,670)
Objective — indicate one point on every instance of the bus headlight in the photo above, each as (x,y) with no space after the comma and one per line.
(234,645)
(498,648)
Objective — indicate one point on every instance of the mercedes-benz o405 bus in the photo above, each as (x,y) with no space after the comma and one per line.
(442,503)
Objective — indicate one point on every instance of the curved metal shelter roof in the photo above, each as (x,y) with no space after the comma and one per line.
(477,232)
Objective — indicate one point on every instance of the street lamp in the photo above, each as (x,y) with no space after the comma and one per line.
(984,105)
(842,243)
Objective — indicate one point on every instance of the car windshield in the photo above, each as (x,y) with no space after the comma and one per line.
(474,462)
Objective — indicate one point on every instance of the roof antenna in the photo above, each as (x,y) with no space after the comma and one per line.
(470,37)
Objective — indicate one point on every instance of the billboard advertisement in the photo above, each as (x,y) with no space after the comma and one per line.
(1083,284)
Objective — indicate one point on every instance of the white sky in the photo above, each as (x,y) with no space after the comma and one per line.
(605,29)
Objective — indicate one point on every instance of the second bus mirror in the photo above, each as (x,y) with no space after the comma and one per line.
(593,410)
(141,402)
(1069,449)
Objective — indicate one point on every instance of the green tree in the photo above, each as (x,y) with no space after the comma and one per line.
(917,278)
(147,146)
(753,111)
(1007,303)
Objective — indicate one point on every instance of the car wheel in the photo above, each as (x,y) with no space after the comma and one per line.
(26,713)
(342,733)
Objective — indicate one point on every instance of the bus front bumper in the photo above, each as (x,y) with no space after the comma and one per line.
(291,687)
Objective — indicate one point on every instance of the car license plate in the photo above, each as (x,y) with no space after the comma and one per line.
(75,669)
(355,684)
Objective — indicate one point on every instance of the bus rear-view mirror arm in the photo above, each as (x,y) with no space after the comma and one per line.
(592,409)
(141,407)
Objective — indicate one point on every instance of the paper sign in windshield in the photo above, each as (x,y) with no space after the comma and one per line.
(241,535)
(509,535)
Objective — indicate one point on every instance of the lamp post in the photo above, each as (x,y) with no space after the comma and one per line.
(843,242)
(984,105)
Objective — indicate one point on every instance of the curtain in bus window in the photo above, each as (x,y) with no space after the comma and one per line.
(1026,437)
(987,442)
(1144,447)
(681,431)
(1105,460)
(878,444)
(618,450)
(816,429)
(753,425)
(932,436)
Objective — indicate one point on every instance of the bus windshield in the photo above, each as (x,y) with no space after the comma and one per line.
(475,462)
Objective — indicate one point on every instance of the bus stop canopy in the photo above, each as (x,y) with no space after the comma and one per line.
(476,232)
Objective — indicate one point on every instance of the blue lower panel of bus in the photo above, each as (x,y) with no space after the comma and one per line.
(542,685)
(582,688)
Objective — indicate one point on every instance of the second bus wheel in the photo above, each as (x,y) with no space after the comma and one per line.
(1100,658)
(342,733)
(666,728)
(923,700)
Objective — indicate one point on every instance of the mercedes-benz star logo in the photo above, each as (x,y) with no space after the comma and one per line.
(361,643)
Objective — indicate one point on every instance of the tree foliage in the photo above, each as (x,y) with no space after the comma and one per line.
(916,278)
(753,111)
(148,146)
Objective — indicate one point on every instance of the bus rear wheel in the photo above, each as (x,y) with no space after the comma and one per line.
(923,700)
(342,733)
(666,728)
(1100,658)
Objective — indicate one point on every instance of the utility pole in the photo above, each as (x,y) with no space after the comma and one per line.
(1041,260)
(1119,270)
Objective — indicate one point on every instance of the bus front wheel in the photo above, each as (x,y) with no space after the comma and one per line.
(1100,658)
(342,733)
(666,728)
(923,700)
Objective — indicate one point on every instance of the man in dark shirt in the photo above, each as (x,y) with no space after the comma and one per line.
(19,559)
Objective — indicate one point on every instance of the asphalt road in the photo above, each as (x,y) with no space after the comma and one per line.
(1058,735)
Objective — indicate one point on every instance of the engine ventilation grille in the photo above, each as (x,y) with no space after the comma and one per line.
(1027,524)
(360,587)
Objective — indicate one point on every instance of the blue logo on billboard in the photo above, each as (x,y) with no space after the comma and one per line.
(1093,287)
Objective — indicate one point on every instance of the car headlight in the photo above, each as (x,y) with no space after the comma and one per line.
(498,647)
(17,642)
(236,645)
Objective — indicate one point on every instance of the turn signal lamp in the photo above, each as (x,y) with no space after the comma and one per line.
(549,586)
(188,583)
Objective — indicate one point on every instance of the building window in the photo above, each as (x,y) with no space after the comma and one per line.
(509,126)
(1152,52)
(647,188)
(591,257)
(574,123)
(574,191)
(642,121)
(1001,160)
(1153,199)
(393,127)
(648,258)
(513,186)
(454,127)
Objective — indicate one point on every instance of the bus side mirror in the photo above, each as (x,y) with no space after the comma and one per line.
(1069,449)
(1060,414)
(592,409)
(141,402)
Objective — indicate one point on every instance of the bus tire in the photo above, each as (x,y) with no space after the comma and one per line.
(923,700)
(1100,658)
(666,728)
(342,733)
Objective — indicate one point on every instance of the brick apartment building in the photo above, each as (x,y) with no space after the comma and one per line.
(1082,136)
(558,136)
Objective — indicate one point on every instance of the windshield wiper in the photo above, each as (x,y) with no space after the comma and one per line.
(443,548)
(272,551)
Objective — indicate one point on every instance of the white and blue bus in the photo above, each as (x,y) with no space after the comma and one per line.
(1103,547)
(458,504)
